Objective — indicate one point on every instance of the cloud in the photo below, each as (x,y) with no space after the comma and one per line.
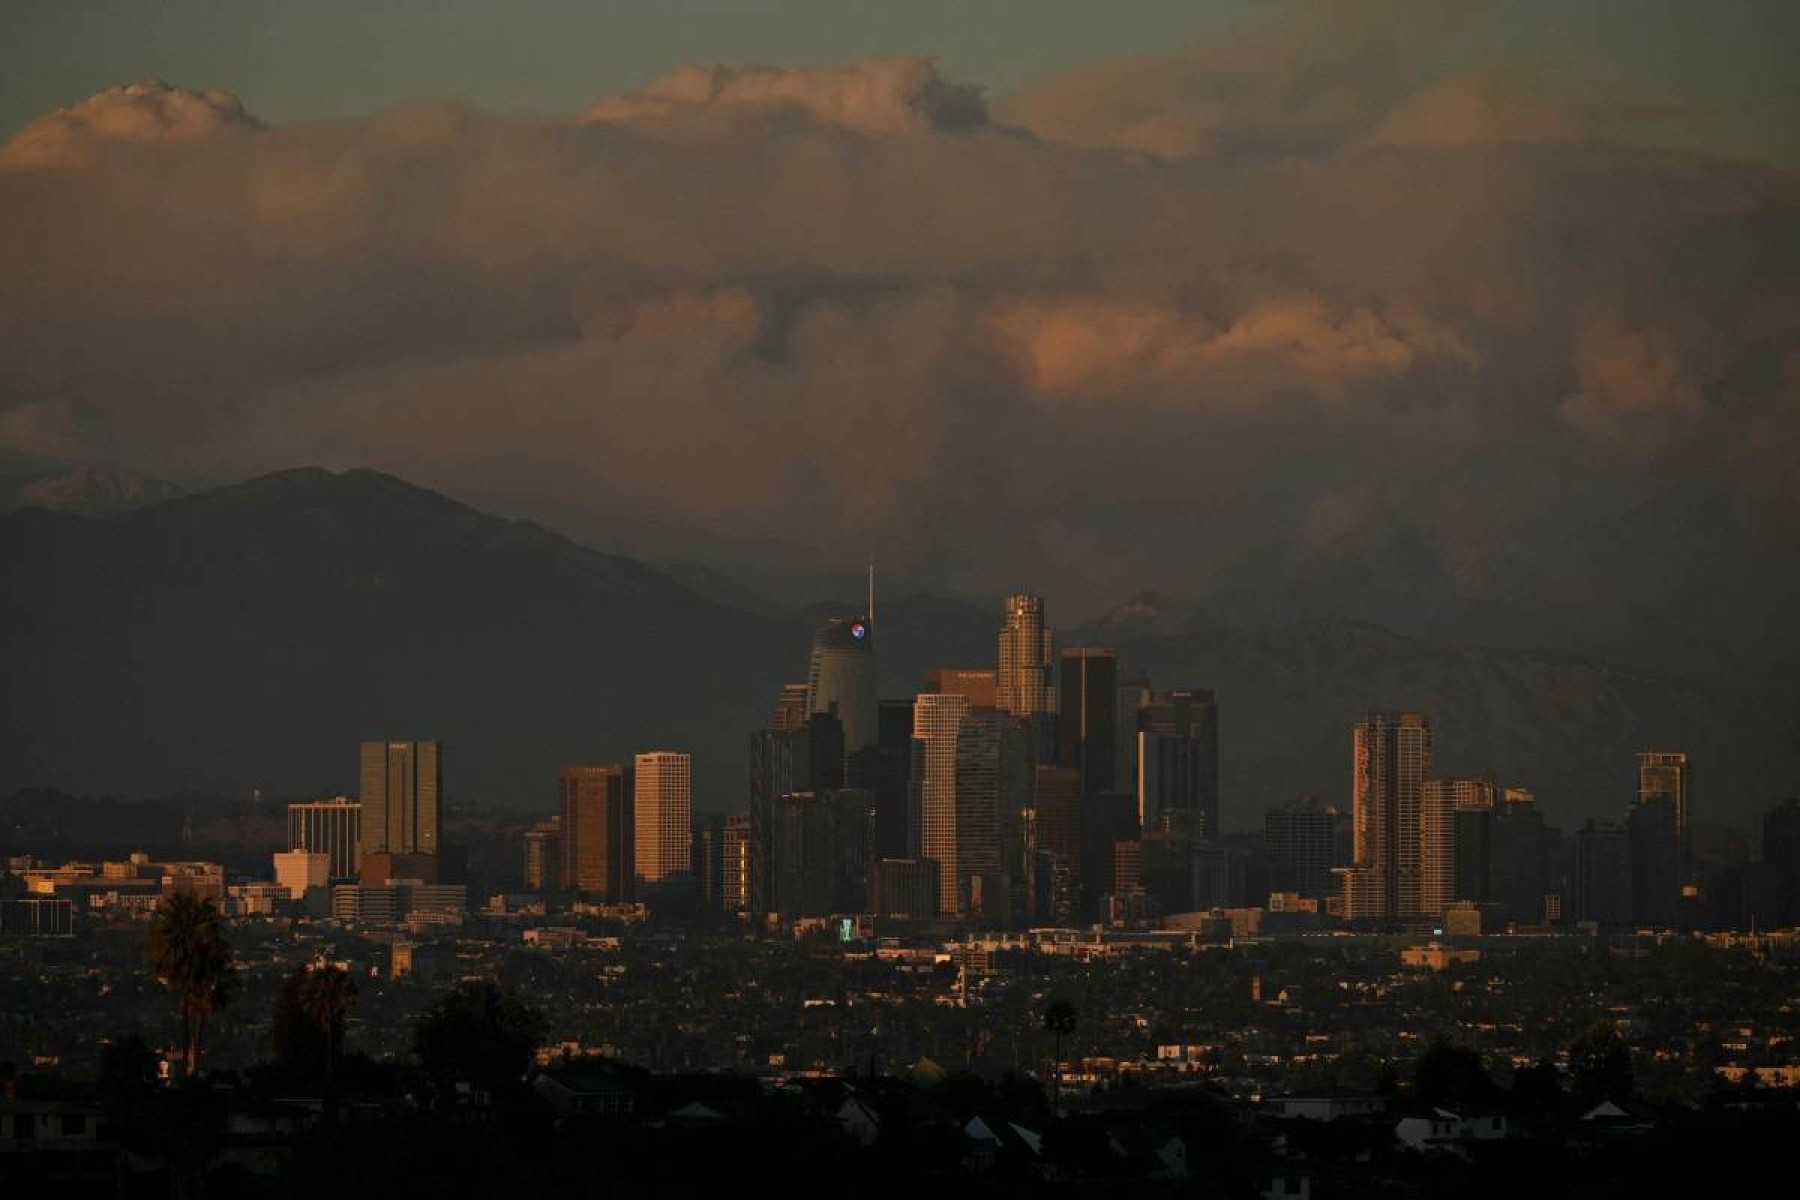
(1632,387)
(43,429)
(141,114)
(1211,323)
(884,95)
(1497,105)
(1301,83)
(1100,345)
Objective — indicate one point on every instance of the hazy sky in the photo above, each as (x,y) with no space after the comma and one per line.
(1730,61)
(1471,319)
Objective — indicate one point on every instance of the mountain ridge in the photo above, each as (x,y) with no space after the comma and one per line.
(249,635)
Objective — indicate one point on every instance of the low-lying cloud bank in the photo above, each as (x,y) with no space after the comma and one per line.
(1285,322)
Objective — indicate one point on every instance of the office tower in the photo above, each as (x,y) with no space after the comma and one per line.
(1669,773)
(937,719)
(709,857)
(1472,855)
(1603,874)
(1176,746)
(791,709)
(882,769)
(1018,813)
(1026,685)
(332,828)
(1220,876)
(1521,863)
(802,838)
(1056,812)
(1169,781)
(734,868)
(1655,832)
(544,856)
(1166,865)
(1301,836)
(1087,716)
(904,887)
(820,847)
(854,810)
(598,831)
(981,685)
(401,786)
(1107,819)
(1391,759)
(300,870)
(1132,697)
(807,758)
(841,678)
(1781,854)
(772,775)
(992,755)
(1440,800)
(663,797)
(1128,866)
(820,762)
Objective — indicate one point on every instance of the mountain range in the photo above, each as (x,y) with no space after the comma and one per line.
(249,637)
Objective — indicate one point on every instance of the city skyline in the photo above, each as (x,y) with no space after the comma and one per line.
(1330,727)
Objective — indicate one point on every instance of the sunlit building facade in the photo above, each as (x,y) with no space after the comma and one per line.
(402,787)
(937,721)
(597,828)
(1391,760)
(663,797)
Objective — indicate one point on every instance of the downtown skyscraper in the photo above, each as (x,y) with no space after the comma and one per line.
(1669,773)
(1087,720)
(663,799)
(402,786)
(937,722)
(1440,800)
(1390,762)
(598,831)
(840,680)
(1026,685)
(1174,745)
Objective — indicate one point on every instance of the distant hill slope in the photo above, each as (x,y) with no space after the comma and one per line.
(251,636)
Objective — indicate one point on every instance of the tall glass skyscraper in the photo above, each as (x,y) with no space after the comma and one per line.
(598,830)
(841,679)
(937,721)
(1391,760)
(1087,724)
(1026,666)
(402,783)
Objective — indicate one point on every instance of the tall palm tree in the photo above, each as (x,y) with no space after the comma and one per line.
(192,958)
(325,998)
(1059,1021)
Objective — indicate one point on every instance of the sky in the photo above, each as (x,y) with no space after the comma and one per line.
(1730,61)
(1476,319)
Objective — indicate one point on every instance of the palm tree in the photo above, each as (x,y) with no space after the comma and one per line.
(192,958)
(1059,1021)
(325,998)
